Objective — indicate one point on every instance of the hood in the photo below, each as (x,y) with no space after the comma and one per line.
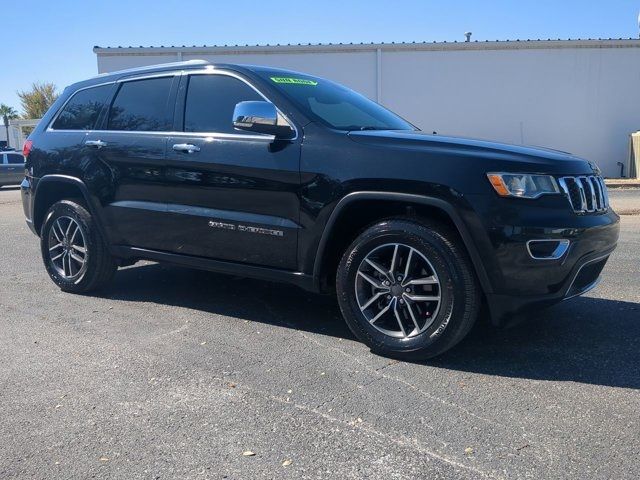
(496,155)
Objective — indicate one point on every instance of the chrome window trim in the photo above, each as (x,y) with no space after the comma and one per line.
(150,76)
(214,135)
(558,253)
(214,71)
(175,73)
(55,117)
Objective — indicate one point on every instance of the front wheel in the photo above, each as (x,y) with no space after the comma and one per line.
(74,253)
(407,289)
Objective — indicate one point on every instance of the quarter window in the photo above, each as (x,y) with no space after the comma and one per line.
(82,111)
(211,100)
(142,105)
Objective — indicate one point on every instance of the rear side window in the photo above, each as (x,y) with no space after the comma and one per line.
(211,100)
(15,158)
(142,105)
(82,110)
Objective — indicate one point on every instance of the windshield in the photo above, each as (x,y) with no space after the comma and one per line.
(334,105)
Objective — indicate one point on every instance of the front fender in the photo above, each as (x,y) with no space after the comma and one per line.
(414,199)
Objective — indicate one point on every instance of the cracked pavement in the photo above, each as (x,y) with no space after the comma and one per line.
(174,373)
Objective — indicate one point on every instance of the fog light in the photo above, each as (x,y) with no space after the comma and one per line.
(547,249)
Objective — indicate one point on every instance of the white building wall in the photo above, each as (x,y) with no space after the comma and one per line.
(582,97)
(356,70)
(585,101)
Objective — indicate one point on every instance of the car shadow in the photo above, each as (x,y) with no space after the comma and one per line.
(236,297)
(587,340)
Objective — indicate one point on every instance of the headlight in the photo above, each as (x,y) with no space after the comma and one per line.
(522,185)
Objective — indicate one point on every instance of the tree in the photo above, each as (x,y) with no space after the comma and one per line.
(38,100)
(7,113)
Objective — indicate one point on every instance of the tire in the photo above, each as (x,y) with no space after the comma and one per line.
(68,230)
(433,314)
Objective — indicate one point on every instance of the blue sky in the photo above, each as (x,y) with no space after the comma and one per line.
(52,40)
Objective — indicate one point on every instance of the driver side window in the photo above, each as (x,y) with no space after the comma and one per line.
(211,100)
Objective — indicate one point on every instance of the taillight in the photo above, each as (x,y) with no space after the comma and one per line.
(26,149)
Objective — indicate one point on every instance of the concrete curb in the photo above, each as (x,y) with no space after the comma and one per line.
(623,183)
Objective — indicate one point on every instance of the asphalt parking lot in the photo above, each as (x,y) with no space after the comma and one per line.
(173,373)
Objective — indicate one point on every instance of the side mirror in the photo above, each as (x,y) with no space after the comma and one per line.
(260,117)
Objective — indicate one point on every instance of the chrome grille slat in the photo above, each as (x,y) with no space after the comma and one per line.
(589,198)
(598,192)
(586,193)
(605,192)
(583,196)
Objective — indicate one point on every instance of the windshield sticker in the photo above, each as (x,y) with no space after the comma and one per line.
(294,81)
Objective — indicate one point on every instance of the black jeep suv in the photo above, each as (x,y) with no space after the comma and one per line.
(274,174)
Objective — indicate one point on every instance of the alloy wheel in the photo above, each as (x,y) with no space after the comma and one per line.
(398,290)
(67,248)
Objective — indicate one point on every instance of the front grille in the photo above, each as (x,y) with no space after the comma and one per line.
(587,194)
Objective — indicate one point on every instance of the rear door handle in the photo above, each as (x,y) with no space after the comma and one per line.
(186,147)
(96,143)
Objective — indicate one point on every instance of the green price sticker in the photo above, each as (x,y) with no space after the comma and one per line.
(294,81)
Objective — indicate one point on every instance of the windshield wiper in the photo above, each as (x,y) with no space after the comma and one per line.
(352,128)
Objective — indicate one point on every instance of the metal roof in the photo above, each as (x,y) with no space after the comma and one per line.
(387,46)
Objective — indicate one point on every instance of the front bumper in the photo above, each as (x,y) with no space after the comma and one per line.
(520,282)
(584,276)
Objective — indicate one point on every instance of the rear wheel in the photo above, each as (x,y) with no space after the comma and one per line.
(407,289)
(74,253)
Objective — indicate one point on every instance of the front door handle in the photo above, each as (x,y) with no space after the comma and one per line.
(96,143)
(186,147)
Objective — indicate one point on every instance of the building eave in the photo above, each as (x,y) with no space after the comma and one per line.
(360,47)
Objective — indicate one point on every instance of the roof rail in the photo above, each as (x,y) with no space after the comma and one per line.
(184,63)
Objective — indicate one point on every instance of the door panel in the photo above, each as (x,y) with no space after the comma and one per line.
(15,166)
(235,199)
(18,173)
(4,171)
(10,173)
(129,153)
(132,165)
(235,195)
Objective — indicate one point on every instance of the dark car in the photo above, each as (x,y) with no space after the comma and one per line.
(268,173)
